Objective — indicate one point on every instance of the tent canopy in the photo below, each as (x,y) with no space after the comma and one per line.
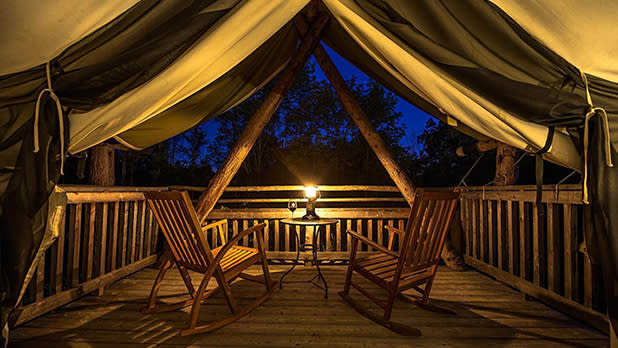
(144,71)
(503,69)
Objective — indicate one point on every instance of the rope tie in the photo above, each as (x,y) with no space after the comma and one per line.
(592,110)
(55,98)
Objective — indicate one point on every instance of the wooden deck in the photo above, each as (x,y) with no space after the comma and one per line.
(489,314)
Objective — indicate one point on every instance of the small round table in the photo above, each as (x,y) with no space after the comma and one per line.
(317,226)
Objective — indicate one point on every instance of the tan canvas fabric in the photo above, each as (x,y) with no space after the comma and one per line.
(34,32)
(582,32)
(248,25)
(456,100)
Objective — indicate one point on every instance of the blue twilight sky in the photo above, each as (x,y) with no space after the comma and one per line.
(413,118)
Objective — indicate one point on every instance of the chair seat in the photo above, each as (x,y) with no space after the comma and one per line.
(383,267)
(235,256)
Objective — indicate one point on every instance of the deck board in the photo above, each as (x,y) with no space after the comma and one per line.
(489,314)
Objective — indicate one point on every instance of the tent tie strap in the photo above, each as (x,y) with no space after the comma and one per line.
(539,166)
(592,110)
(55,98)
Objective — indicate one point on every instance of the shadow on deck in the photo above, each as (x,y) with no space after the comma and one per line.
(489,314)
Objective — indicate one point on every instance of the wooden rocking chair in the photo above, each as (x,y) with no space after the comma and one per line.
(188,249)
(413,267)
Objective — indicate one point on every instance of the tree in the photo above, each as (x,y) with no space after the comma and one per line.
(439,164)
(311,138)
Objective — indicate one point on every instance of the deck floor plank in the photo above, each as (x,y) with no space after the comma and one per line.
(489,314)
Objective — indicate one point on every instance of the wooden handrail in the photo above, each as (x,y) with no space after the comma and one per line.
(563,194)
(323,200)
(370,188)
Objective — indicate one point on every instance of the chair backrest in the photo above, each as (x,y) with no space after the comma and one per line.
(181,228)
(430,217)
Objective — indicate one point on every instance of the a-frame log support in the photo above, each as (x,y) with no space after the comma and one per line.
(362,121)
(260,119)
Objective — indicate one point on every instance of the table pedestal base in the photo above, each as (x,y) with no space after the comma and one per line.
(314,251)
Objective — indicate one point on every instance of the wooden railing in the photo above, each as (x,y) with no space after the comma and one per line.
(544,257)
(356,207)
(107,234)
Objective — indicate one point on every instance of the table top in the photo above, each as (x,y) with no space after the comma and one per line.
(300,221)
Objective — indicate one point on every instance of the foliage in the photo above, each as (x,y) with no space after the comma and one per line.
(440,166)
(311,138)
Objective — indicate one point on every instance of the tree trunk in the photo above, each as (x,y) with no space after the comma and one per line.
(102,165)
(506,171)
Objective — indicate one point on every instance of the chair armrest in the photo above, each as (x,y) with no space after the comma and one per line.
(218,225)
(391,236)
(393,229)
(253,229)
(372,243)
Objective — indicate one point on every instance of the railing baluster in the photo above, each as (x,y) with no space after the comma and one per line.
(536,257)
(328,238)
(380,232)
(338,236)
(370,233)
(277,240)
(125,230)
(510,236)
(114,244)
(75,244)
(524,241)
(482,229)
(133,246)
(245,225)
(499,235)
(103,255)
(91,232)
(148,230)
(359,228)
(287,245)
(142,230)
(474,216)
(348,240)
(569,252)
(553,249)
(266,235)
(490,232)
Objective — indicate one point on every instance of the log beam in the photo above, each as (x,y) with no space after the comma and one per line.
(260,119)
(102,172)
(479,146)
(507,171)
(362,121)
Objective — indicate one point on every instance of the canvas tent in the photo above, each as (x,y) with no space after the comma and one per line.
(534,75)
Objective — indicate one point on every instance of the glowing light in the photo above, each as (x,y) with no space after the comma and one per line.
(311,192)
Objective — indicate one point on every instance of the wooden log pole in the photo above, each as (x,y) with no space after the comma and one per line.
(102,165)
(506,170)
(362,121)
(260,119)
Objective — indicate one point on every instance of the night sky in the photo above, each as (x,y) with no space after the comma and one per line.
(413,118)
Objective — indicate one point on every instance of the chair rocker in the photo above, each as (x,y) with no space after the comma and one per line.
(188,249)
(413,267)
